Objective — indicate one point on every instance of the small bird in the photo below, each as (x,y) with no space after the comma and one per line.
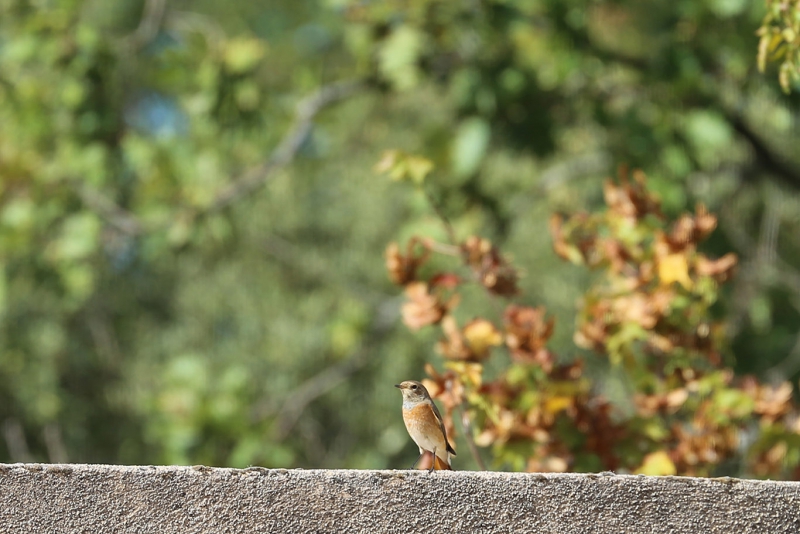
(424,424)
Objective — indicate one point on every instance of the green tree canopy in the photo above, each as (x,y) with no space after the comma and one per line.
(191,231)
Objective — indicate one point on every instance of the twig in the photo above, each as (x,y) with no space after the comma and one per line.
(102,334)
(17,446)
(733,229)
(770,227)
(466,425)
(788,366)
(321,383)
(745,288)
(766,156)
(451,234)
(443,248)
(56,451)
(313,388)
(152,16)
(119,218)
(761,256)
(188,21)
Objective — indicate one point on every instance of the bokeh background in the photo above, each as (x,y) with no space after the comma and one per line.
(192,233)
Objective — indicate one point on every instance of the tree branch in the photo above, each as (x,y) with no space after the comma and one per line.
(293,406)
(16,443)
(152,17)
(121,219)
(466,425)
(313,388)
(285,152)
(54,442)
(770,161)
(307,109)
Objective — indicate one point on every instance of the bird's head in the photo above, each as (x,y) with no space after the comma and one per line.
(413,391)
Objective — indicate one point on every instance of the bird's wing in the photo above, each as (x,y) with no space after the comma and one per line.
(441,425)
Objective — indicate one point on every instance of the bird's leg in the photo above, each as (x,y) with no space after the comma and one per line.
(433,463)
(421,454)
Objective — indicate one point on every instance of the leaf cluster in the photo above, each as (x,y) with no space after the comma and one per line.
(780,41)
(648,314)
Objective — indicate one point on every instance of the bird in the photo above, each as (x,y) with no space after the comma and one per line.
(424,424)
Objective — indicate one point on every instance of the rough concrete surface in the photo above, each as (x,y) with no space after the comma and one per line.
(39,498)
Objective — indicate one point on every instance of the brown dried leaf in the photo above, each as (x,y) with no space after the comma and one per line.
(422,308)
(403,269)
(720,269)
(491,269)
(454,346)
(631,200)
(527,333)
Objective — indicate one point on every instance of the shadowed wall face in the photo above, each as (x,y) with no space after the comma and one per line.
(92,498)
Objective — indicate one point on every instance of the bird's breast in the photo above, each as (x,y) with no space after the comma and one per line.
(422,423)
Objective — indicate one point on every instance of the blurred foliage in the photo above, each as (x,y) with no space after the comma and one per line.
(780,41)
(673,407)
(191,235)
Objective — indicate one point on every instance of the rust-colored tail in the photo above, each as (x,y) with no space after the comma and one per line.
(440,464)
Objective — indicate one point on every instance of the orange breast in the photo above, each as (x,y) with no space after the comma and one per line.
(424,429)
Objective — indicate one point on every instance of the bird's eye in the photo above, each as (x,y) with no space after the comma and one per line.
(414,386)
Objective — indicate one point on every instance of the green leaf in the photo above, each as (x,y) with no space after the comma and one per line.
(399,55)
(727,8)
(78,239)
(469,146)
(243,54)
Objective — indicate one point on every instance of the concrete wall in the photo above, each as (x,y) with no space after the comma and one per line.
(97,498)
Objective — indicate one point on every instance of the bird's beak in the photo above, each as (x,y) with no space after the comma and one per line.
(398,386)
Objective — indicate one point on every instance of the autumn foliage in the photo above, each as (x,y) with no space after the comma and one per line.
(676,408)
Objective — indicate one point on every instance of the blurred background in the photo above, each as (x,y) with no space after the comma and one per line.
(192,235)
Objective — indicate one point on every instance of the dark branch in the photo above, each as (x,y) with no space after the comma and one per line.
(120,219)
(285,152)
(149,25)
(247,183)
(295,404)
(769,160)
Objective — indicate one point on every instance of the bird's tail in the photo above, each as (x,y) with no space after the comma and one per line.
(440,464)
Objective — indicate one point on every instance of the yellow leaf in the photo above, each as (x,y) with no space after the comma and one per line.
(763,43)
(482,335)
(417,168)
(556,404)
(468,372)
(774,42)
(555,464)
(657,464)
(674,268)
(388,161)
(401,166)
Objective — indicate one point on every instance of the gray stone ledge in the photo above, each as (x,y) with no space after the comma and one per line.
(44,498)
